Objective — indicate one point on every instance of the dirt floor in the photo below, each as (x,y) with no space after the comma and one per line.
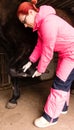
(29,107)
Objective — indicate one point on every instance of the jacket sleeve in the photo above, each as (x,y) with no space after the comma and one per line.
(49,35)
(35,55)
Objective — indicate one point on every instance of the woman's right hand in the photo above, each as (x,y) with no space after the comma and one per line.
(27,66)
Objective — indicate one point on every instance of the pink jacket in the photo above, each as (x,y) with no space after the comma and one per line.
(54,35)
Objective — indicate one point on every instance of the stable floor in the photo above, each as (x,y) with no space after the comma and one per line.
(29,107)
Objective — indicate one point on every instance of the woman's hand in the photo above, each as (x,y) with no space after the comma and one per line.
(27,66)
(36,74)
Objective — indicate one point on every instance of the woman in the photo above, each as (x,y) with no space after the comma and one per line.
(54,35)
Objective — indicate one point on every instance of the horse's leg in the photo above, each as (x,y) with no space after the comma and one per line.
(16,94)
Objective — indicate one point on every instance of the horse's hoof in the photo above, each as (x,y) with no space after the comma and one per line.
(10,105)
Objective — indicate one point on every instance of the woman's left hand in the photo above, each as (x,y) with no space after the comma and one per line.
(36,74)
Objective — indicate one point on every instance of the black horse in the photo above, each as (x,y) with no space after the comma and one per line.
(18,42)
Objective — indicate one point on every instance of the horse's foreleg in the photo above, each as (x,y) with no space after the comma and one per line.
(16,94)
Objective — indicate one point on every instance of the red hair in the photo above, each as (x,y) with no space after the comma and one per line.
(34,1)
(25,6)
